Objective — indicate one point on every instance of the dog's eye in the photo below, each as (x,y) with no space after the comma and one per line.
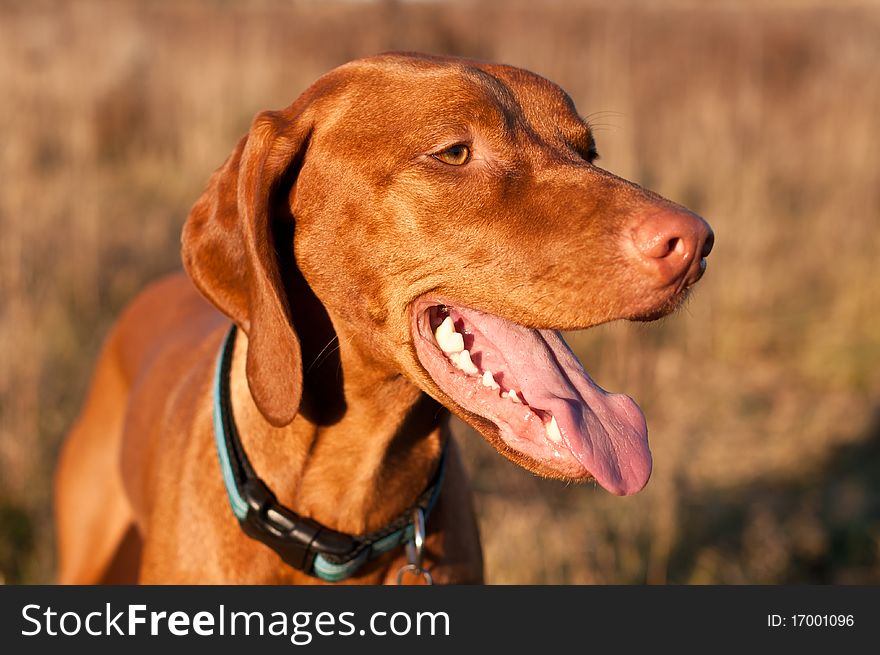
(456,155)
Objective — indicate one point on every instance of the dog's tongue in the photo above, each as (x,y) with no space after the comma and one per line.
(605,432)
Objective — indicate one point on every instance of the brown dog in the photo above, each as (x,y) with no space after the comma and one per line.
(405,238)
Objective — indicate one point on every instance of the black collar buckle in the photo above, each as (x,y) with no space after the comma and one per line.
(295,538)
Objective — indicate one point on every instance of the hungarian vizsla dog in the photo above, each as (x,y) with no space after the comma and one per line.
(402,242)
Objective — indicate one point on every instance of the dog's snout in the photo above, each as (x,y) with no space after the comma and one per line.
(674,244)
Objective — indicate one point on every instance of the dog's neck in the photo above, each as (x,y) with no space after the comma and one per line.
(356,466)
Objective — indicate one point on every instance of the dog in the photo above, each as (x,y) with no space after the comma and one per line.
(404,241)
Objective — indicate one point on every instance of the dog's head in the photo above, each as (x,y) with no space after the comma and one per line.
(450,218)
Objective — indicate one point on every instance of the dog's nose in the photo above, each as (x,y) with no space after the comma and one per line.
(674,243)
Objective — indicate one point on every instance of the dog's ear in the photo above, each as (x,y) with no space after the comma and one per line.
(230,253)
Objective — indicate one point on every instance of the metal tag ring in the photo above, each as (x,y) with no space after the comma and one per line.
(416,570)
(415,549)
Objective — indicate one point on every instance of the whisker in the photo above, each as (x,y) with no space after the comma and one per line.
(607,112)
(318,356)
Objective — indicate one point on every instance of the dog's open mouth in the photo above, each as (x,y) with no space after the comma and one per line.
(533,388)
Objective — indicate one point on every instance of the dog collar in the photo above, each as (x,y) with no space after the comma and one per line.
(302,543)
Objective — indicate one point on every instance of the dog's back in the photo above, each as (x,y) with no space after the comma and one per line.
(155,344)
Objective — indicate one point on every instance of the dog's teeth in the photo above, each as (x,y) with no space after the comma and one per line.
(448,339)
(489,380)
(512,395)
(465,363)
(552,430)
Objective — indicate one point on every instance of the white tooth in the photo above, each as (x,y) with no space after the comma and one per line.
(504,394)
(448,339)
(465,363)
(512,395)
(489,380)
(445,328)
(552,430)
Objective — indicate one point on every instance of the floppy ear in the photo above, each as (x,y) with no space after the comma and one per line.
(229,252)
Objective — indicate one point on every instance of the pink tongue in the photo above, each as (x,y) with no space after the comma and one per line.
(605,432)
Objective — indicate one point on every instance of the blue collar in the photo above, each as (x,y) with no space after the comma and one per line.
(301,542)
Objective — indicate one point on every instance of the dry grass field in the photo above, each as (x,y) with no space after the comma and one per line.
(762,395)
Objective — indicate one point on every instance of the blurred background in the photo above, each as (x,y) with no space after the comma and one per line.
(762,395)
